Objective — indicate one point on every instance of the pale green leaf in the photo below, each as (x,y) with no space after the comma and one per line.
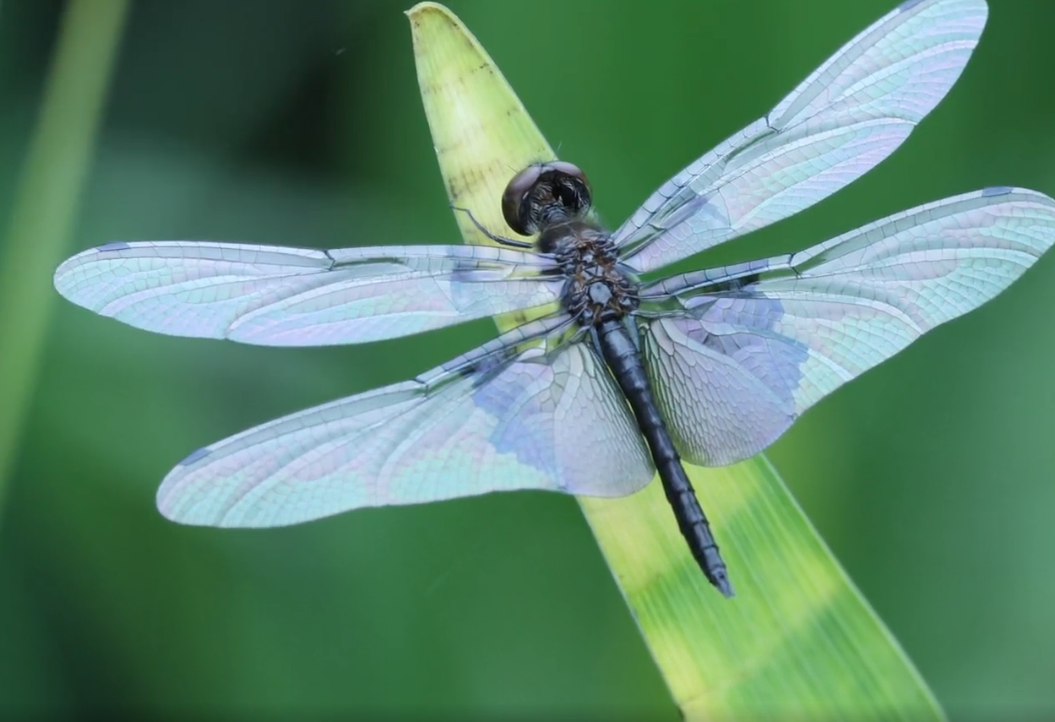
(798,638)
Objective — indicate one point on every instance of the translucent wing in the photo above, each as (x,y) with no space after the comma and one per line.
(845,118)
(754,346)
(278,296)
(510,415)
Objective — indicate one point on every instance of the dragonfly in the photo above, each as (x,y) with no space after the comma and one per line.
(615,378)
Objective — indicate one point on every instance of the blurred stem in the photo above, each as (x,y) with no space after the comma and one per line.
(46,202)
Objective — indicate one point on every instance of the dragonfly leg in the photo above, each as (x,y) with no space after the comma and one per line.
(511,242)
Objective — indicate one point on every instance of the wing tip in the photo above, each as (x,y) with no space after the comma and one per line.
(65,270)
(172,501)
(177,508)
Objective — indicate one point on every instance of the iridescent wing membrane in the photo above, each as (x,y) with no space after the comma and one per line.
(509,415)
(838,124)
(750,347)
(734,354)
(278,296)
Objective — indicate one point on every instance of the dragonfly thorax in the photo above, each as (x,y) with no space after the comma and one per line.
(597,288)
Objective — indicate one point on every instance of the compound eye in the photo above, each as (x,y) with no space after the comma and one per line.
(514,206)
(544,186)
(568,169)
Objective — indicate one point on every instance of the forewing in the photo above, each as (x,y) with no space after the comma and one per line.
(278,296)
(845,118)
(756,345)
(509,415)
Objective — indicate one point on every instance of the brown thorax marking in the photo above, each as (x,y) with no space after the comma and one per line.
(597,289)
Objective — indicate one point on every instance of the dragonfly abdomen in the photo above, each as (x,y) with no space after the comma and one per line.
(624,360)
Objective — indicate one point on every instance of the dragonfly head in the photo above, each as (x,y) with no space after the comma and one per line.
(545,194)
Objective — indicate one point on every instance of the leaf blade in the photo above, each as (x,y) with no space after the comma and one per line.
(799,636)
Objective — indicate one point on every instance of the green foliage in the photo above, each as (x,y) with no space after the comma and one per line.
(300,123)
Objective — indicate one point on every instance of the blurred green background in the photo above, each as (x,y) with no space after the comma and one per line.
(300,123)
